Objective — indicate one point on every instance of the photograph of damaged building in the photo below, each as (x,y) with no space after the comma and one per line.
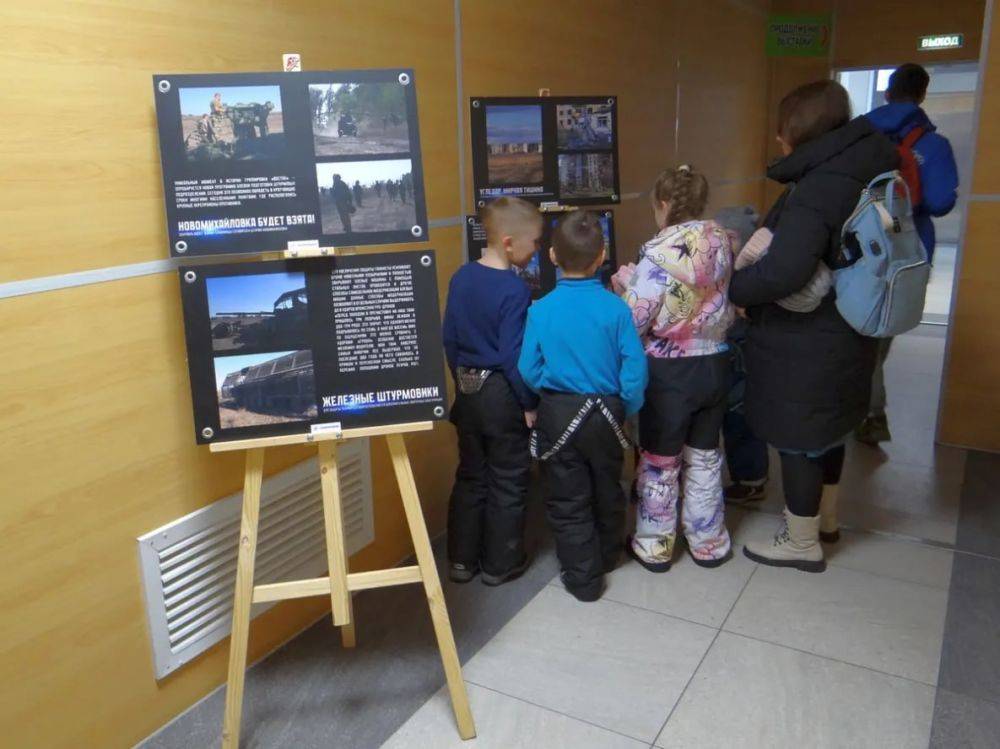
(265,388)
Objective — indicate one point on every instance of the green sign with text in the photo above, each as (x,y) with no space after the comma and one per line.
(941,41)
(799,36)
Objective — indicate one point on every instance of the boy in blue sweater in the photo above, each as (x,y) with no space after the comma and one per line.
(494,409)
(582,353)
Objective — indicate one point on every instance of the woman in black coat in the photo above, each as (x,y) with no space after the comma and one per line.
(808,373)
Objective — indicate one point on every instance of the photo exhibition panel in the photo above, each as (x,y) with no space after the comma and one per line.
(253,161)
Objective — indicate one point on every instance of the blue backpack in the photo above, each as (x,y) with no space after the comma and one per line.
(881,293)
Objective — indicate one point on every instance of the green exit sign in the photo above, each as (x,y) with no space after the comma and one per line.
(941,41)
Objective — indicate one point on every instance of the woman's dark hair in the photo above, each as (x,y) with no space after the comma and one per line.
(812,110)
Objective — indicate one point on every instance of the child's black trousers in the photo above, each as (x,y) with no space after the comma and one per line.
(487,508)
(585,504)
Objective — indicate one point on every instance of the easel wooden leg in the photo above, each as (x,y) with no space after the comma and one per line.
(336,547)
(243,598)
(348,637)
(432,586)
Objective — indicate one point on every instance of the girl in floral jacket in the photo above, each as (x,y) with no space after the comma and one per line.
(678,293)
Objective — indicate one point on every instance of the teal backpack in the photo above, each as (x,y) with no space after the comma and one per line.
(881,292)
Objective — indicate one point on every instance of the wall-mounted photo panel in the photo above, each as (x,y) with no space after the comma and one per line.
(540,274)
(285,346)
(248,160)
(561,149)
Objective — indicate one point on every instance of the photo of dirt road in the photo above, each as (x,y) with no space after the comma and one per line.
(357,119)
(514,143)
(366,196)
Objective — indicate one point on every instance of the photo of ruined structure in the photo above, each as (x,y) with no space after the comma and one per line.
(269,388)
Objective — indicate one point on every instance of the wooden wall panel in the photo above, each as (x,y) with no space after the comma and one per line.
(970,396)
(81,187)
(986,172)
(970,408)
(723,81)
(886,32)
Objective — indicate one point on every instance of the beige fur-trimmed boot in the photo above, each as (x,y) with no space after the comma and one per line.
(795,545)
(829,530)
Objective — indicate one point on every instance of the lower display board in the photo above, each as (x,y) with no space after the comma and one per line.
(299,346)
(540,274)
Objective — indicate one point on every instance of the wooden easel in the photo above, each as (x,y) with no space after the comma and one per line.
(340,583)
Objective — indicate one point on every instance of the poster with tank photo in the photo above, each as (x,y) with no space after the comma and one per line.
(366,196)
(232,122)
(281,347)
(518,145)
(257,312)
(532,274)
(584,126)
(241,154)
(354,119)
(261,389)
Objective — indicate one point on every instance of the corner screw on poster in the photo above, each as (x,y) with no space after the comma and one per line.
(318,350)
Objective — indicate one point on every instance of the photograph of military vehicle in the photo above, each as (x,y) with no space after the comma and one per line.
(357,119)
(273,388)
(260,311)
(366,196)
(232,122)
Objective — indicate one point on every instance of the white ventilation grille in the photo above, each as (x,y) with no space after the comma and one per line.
(189,566)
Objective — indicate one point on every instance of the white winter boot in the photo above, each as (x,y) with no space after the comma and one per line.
(795,545)
(829,531)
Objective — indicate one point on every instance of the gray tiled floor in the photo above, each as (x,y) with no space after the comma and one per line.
(895,645)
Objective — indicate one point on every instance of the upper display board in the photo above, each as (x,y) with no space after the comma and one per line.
(253,161)
(561,149)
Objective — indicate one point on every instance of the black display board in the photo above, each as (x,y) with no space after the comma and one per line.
(288,346)
(541,275)
(249,160)
(560,149)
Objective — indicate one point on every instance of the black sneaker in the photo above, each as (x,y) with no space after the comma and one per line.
(462,573)
(873,430)
(506,577)
(739,494)
(651,566)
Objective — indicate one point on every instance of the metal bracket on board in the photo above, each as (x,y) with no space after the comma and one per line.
(310,248)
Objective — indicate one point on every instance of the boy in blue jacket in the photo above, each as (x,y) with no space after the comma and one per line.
(938,183)
(582,353)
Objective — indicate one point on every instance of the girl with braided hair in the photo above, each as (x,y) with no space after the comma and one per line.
(678,296)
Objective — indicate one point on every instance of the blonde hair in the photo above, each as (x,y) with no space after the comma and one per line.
(685,189)
(508,216)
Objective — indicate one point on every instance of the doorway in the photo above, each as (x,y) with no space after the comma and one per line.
(950,104)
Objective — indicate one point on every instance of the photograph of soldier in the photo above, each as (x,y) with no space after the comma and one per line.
(583,125)
(273,388)
(514,144)
(260,311)
(586,175)
(232,122)
(366,196)
(357,119)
